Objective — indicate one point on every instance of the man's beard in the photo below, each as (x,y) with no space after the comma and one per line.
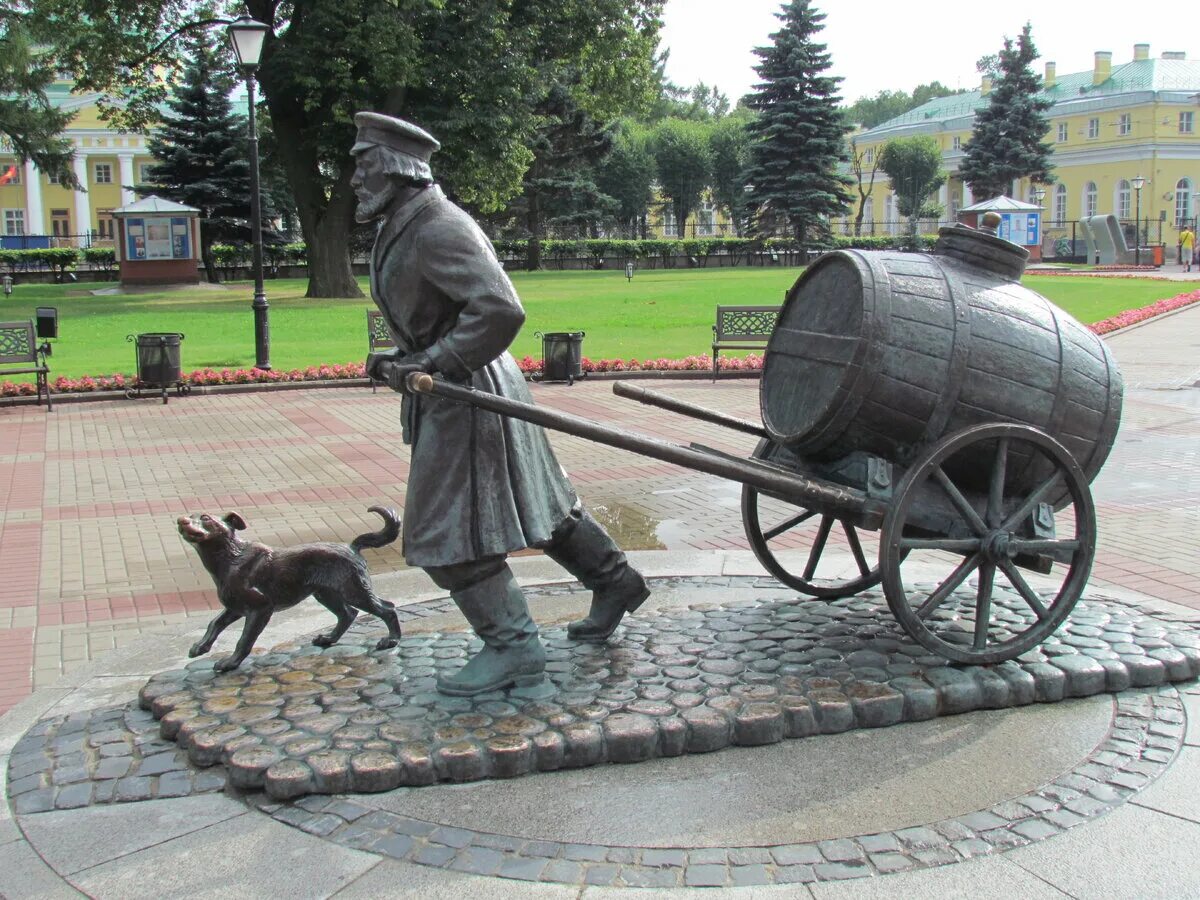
(374,206)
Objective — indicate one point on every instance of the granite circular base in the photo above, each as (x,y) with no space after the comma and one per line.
(733,672)
(1121,744)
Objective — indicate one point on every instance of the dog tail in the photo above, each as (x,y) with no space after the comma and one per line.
(389,532)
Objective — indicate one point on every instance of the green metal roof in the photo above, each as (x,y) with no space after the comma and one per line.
(1131,77)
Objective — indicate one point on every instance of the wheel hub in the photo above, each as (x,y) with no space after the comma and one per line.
(996,546)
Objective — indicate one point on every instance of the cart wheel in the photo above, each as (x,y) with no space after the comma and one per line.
(798,528)
(989,534)
(130,393)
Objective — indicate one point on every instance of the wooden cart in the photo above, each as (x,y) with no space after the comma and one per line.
(929,401)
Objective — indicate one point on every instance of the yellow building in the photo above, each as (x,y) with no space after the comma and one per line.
(35,210)
(1108,126)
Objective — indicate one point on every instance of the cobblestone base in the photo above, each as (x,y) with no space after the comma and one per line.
(301,720)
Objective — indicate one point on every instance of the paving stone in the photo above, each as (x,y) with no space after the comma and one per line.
(434,855)
(175,784)
(887,863)
(796,854)
(706,876)
(745,876)
(879,843)
(745,856)
(841,871)
(1035,829)
(563,870)
(799,874)
(655,858)
(841,850)
(73,796)
(477,861)
(640,876)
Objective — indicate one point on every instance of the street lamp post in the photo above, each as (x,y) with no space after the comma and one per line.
(1138,183)
(247,37)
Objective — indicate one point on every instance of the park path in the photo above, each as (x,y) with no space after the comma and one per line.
(90,559)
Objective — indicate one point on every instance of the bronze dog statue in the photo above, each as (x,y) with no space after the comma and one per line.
(253,581)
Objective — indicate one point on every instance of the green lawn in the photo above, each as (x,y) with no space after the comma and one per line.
(659,314)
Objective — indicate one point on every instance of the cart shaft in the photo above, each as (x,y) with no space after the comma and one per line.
(766,478)
(662,401)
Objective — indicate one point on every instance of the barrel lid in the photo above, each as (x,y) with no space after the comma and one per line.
(983,248)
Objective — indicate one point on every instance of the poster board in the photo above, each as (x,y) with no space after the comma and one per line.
(158,237)
(1021,228)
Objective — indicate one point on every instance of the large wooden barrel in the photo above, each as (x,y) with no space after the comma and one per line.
(885,352)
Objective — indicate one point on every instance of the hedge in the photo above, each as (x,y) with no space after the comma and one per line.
(56,259)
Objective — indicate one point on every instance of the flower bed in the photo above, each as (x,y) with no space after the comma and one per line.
(1133,316)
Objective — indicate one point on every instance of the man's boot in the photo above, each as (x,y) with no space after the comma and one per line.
(512,654)
(588,553)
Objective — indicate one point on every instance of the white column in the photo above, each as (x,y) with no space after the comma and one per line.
(944,202)
(127,195)
(968,196)
(35,221)
(83,219)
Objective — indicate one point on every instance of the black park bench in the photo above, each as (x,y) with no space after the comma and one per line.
(742,328)
(19,355)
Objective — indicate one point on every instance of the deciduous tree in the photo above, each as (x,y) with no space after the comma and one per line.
(914,167)
(684,160)
(471,73)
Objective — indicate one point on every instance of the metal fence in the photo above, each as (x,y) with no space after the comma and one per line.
(48,241)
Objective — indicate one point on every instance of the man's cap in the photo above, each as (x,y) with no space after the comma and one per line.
(376,129)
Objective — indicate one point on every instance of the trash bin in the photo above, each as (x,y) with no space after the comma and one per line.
(158,364)
(562,356)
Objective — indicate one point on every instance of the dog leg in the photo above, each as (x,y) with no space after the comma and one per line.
(386,612)
(256,621)
(215,627)
(345,618)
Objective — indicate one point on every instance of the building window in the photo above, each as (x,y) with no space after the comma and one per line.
(10,173)
(957,143)
(1187,122)
(1183,201)
(1125,124)
(53,178)
(1121,200)
(706,219)
(1060,204)
(670,228)
(14,221)
(103,173)
(104,224)
(144,170)
(1062,132)
(869,215)
(1093,128)
(1089,199)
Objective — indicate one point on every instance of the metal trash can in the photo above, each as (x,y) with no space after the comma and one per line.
(562,356)
(158,364)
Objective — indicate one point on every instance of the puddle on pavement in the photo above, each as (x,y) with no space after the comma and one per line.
(631,528)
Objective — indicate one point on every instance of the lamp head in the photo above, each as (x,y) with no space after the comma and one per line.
(247,36)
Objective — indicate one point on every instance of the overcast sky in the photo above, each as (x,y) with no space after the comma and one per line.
(888,45)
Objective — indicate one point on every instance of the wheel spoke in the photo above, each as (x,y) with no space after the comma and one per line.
(965,509)
(983,604)
(952,545)
(1029,594)
(818,547)
(864,567)
(957,577)
(1059,551)
(1011,523)
(788,524)
(995,507)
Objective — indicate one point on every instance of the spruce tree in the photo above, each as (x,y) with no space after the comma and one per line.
(1006,142)
(798,138)
(201,152)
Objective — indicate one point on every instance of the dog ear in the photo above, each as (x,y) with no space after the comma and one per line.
(234,521)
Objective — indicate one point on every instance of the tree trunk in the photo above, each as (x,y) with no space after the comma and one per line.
(210,270)
(325,222)
(533,224)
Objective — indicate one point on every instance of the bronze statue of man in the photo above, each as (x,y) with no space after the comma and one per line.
(480,485)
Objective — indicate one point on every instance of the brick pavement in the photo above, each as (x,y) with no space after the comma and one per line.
(90,560)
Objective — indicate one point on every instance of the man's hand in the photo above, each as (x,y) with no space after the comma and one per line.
(377,363)
(397,371)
